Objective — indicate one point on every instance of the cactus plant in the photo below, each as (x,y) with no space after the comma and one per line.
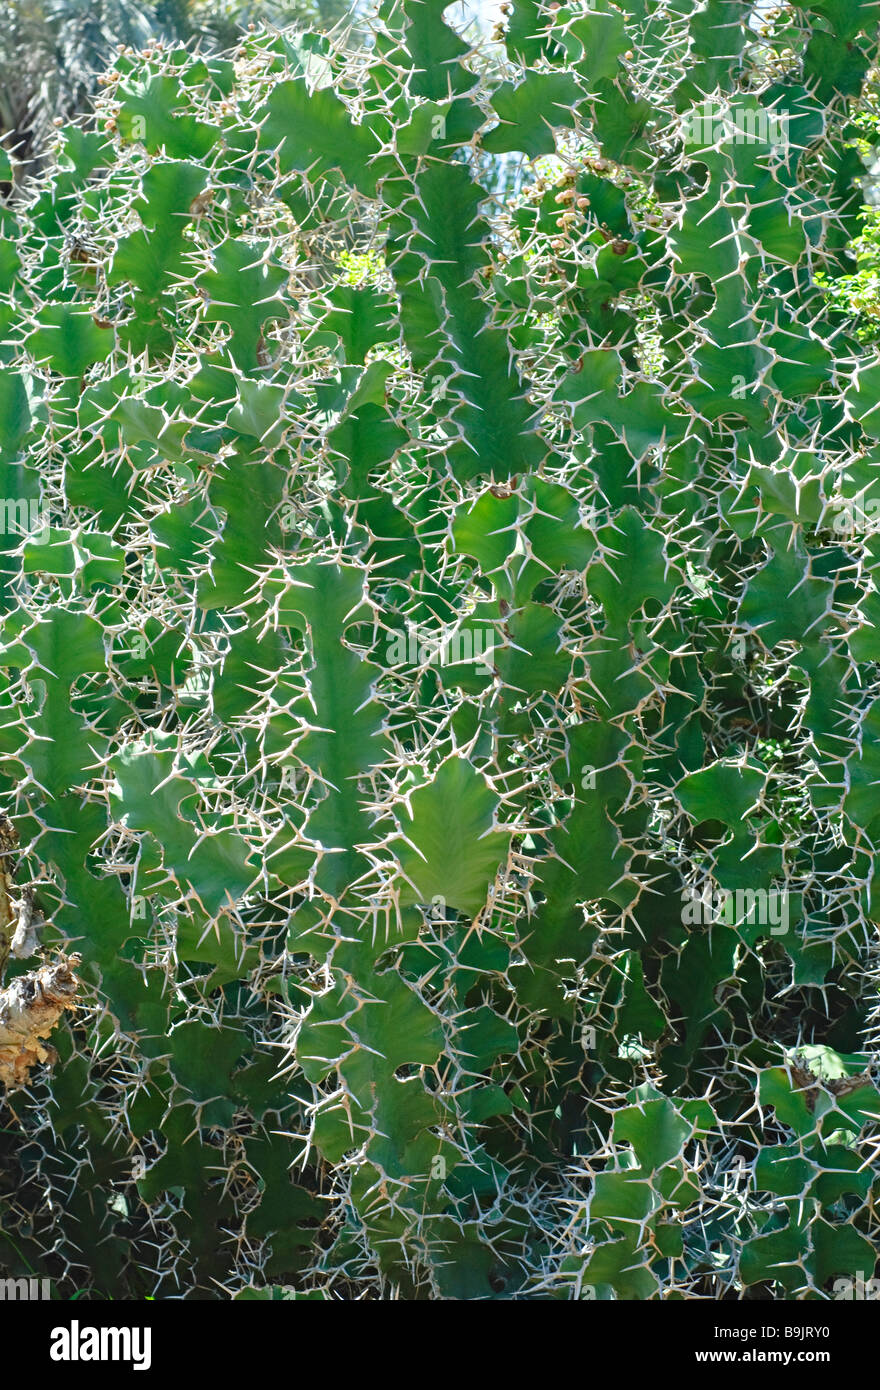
(440,689)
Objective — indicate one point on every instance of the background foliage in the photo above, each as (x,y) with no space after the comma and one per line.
(394,982)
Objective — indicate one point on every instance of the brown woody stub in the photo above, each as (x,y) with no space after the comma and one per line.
(30,1007)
